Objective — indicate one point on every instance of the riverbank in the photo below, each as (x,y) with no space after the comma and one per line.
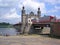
(6,26)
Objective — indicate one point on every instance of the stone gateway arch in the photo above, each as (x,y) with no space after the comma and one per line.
(27,19)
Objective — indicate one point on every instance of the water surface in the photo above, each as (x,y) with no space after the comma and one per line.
(8,31)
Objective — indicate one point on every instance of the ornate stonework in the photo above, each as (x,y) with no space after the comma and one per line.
(26,19)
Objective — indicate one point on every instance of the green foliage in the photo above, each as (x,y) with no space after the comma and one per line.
(5,25)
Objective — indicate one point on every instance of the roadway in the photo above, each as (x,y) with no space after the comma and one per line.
(28,40)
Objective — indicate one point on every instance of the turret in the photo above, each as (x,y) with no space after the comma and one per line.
(23,10)
(23,15)
(39,13)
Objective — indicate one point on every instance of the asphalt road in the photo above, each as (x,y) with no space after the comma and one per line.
(28,40)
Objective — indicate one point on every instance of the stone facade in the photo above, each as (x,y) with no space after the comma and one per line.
(26,19)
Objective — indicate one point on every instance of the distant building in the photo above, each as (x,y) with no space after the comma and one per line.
(26,18)
(33,23)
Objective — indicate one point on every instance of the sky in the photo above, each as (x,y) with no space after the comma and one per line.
(10,10)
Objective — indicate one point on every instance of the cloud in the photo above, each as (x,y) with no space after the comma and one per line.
(57,7)
(54,10)
(7,5)
(53,2)
(11,17)
(32,5)
(10,10)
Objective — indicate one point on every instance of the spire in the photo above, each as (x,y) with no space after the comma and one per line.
(23,7)
(39,12)
(38,8)
(23,10)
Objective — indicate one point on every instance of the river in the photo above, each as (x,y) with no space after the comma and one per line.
(8,31)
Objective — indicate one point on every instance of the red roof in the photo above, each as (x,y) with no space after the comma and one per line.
(51,17)
(58,20)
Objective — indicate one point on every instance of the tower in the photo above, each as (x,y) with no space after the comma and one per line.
(23,15)
(23,19)
(39,13)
